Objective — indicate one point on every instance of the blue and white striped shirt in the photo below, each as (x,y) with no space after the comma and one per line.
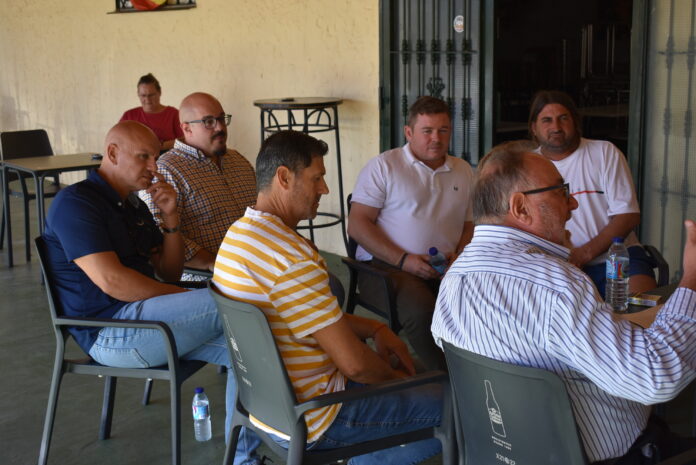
(513,296)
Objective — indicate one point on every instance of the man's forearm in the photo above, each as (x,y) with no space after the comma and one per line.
(170,262)
(201,260)
(373,239)
(618,226)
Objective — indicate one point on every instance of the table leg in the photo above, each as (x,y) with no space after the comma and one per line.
(340,178)
(38,182)
(6,210)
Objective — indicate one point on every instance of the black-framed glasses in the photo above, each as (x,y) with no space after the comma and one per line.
(564,186)
(209,121)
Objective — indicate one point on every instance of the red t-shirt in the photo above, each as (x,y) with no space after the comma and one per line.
(164,124)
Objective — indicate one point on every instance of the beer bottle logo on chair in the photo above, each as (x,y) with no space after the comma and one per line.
(494,413)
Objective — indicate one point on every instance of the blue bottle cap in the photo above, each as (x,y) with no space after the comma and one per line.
(199,390)
(617,239)
(432,251)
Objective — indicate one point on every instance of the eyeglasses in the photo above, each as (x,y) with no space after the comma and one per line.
(565,187)
(209,122)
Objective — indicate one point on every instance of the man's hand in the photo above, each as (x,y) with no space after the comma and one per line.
(164,197)
(389,347)
(419,265)
(579,256)
(689,260)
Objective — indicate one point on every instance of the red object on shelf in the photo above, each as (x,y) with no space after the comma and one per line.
(147,4)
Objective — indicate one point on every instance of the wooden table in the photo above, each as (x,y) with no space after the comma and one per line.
(644,316)
(40,168)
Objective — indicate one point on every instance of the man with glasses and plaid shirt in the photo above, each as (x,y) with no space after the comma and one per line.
(214,184)
(601,183)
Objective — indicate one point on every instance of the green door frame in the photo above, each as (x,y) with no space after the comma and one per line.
(640,36)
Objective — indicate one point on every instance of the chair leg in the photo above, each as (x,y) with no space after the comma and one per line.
(2,230)
(175,394)
(27,232)
(107,407)
(147,391)
(231,448)
(446,431)
(51,409)
(295,452)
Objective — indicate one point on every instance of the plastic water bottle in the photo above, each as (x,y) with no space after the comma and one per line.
(617,276)
(437,260)
(201,416)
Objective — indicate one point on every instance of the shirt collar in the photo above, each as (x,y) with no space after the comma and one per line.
(183,148)
(500,234)
(447,166)
(112,196)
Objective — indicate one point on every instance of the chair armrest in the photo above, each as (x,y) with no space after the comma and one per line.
(172,354)
(347,395)
(363,267)
(197,272)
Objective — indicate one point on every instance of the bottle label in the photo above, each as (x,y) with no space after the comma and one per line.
(617,268)
(200,412)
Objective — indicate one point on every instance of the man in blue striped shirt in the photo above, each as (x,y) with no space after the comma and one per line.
(513,296)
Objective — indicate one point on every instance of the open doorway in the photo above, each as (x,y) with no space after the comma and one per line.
(579,46)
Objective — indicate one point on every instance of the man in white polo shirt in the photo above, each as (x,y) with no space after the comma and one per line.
(406,201)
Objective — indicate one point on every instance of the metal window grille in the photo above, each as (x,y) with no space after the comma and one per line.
(430,47)
(669,174)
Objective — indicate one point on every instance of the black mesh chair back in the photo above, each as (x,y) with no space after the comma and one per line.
(176,371)
(660,263)
(265,391)
(384,302)
(24,144)
(506,412)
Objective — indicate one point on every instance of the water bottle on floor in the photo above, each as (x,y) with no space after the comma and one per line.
(437,260)
(617,276)
(201,416)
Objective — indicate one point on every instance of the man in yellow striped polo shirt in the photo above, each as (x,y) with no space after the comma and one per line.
(263,261)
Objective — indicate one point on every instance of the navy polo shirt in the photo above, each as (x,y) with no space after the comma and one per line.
(86,218)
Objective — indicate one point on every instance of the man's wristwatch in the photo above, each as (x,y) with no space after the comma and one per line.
(170,230)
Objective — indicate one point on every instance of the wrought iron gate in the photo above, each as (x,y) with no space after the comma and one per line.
(432,47)
(664,129)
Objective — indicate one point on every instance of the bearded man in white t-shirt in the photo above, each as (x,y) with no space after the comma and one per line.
(405,201)
(600,181)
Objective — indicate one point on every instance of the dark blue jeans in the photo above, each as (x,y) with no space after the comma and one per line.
(382,416)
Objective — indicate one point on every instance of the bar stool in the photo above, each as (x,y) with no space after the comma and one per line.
(309,115)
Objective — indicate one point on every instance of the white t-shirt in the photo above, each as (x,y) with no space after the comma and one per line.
(601,182)
(419,207)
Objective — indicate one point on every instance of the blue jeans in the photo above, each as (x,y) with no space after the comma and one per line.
(193,319)
(381,416)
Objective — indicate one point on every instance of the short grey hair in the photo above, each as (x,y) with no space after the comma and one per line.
(500,174)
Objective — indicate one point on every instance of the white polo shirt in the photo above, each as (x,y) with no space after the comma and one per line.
(419,207)
(601,182)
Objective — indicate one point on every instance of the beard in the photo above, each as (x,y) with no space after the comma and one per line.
(568,144)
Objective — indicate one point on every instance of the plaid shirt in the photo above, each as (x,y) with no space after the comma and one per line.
(208,199)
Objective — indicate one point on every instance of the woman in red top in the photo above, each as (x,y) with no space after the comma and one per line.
(163,120)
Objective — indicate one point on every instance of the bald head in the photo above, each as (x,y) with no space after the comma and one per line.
(199,106)
(130,151)
(191,104)
(126,132)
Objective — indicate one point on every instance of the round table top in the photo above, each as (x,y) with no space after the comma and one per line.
(297,102)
